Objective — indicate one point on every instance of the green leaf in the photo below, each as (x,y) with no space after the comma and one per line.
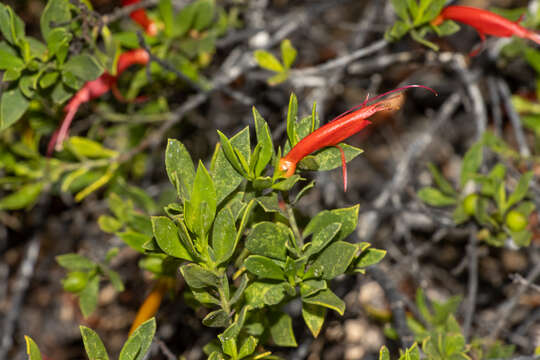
(288,53)
(521,189)
(204,14)
(224,235)
(400,7)
(248,347)
(13,105)
(9,60)
(93,345)
(278,78)
(61,93)
(134,239)
(329,158)
(447,28)
(335,259)
(292,113)
(184,19)
(322,238)
(384,354)
(327,299)
(226,178)
(179,168)
(138,343)
(263,267)
(167,14)
(109,224)
(347,217)
(443,184)
(269,203)
(75,262)
(268,239)
(397,31)
(471,162)
(281,330)
(56,11)
(217,318)
(268,61)
(84,66)
(230,154)
(435,197)
(198,277)
(89,296)
(313,316)
(311,287)
(114,278)
(369,257)
(11,26)
(22,198)
(500,196)
(201,208)
(58,43)
(521,238)
(261,293)
(90,149)
(32,349)
(265,139)
(166,234)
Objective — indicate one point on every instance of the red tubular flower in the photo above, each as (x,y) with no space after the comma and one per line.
(141,18)
(94,89)
(485,22)
(339,129)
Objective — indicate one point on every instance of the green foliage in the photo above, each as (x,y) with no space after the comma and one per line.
(235,215)
(84,276)
(500,213)
(135,348)
(415,18)
(42,76)
(268,61)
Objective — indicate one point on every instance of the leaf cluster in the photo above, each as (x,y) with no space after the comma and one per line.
(136,347)
(235,232)
(84,277)
(500,213)
(414,18)
(268,61)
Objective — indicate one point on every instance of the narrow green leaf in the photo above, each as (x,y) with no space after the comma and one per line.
(180,168)
(201,209)
(22,198)
(138,344)
(223,235)
(322,238)
(521,189)
(441,182)
(327,299)
(13,105)
(265,139)
(32,349)
(166,234)
(90,149)
(198,277)
(268,61)
(292,113)
(369,257)
(435,197)
(75,262)
(313,316)
(167,14)
(88,297)
(288,53)
(471,162)
(95,350)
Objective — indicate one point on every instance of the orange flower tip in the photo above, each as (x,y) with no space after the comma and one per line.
(287,166)
(152,29)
